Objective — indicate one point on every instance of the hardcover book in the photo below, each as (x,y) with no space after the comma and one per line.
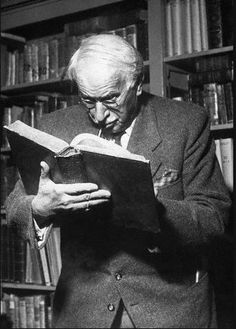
(88,158)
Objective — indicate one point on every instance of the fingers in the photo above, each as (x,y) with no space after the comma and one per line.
(94,196)
(77,188)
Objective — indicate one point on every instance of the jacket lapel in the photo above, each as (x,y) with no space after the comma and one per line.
(145,138)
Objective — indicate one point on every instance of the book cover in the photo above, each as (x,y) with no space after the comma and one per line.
(22,310)
(88,158)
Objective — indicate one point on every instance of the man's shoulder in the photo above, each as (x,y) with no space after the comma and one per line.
(171,110)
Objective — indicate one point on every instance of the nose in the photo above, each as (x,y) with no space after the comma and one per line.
(101,112)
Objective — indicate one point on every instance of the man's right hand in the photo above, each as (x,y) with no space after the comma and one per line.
(53,199)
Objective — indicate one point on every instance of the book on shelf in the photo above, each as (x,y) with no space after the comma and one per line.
(168,29)
(218,152)
(210,102)
(176,27)
(203,25)
(196,25)
(45,266)
(88,158)
(215,28)
(226,149)
(26,311)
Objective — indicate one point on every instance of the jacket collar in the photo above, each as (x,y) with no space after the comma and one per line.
(145,138)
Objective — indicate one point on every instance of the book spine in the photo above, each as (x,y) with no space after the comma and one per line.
(168,29)
(195,28)
(218,153)
(45,266)
(42,313)
(29,301)
(20,259)
(35,62)
(16,66)
(210,102)
(61,56)
(43,56)
(176,27)
(53,58)
(9,69)
(226,148)
(36,311)
(214,20)
(131,34)
(28,76)
(22,309)
(221,104)
(229,101)
(186,27)
(4,64)
(12,309)
(203,25)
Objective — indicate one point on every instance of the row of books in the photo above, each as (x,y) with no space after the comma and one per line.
(31,311)
(47,58)
(224,153)
(197,25)
(21,263)
(217,98)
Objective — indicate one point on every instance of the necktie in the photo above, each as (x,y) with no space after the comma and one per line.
(115,137)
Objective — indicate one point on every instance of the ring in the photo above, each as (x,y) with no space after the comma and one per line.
(87,198)
(87,206)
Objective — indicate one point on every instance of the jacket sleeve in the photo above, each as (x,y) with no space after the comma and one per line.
(19,216)
(204,211)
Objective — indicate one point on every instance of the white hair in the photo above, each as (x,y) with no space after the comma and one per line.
(108,49)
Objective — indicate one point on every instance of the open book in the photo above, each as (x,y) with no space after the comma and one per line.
(88,158)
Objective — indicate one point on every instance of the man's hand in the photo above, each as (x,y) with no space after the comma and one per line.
(52,198)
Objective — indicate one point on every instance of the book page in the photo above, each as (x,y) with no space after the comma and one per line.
(39,137)
(92,143)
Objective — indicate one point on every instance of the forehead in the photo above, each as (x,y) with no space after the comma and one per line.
(96,75)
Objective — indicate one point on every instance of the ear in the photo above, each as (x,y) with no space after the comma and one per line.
(139,89)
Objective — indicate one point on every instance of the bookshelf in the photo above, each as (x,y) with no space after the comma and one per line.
(179,65)
(24,19)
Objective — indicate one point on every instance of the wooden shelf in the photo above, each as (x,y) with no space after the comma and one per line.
(45,10)
(222,126)
(47,87)
(26,286)
(186,61)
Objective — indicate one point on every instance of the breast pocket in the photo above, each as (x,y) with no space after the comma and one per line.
(173,190)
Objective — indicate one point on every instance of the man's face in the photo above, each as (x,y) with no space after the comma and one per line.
(107,95)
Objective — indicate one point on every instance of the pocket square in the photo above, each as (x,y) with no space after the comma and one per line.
(169,176)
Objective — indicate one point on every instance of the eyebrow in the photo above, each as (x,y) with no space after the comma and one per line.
(104,98)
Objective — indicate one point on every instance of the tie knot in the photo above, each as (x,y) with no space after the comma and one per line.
(115,137)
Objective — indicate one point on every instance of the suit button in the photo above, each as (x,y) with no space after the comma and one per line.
(110,307)
(118,276)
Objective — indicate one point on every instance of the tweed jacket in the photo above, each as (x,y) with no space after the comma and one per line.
(153,272)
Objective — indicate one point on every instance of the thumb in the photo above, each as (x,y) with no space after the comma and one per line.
(44,169)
